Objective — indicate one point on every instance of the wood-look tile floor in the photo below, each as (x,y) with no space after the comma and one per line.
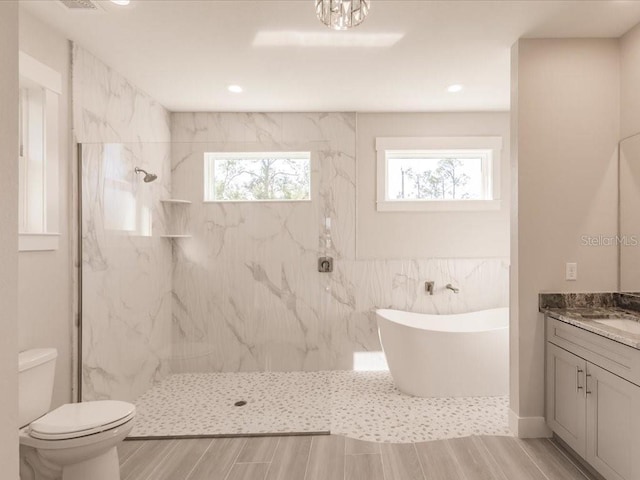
(331,457)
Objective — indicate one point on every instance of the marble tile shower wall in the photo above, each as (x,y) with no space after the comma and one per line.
(107,108)
(126,266)
(247,295)
(246,291)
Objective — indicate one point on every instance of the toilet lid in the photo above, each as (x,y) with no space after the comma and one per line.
(79,419)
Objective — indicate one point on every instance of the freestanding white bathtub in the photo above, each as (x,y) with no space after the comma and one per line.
(463,355)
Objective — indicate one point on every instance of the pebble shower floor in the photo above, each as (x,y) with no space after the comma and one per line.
(361,405)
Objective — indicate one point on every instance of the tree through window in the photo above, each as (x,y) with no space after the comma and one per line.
(264,176)
(438,173)
(448,178)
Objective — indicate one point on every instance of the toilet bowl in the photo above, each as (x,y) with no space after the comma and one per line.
(79,440)
(75,441)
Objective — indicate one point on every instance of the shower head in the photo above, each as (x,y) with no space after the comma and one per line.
(148,177)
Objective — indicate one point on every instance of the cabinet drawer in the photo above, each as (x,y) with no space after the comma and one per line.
(619,359)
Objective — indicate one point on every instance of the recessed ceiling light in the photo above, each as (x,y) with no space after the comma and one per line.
(122,3)
(455,88)
(235,88)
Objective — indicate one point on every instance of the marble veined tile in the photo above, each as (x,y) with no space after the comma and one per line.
(246,288)
(247,284)
(127,271)
(109,108)
(127,267)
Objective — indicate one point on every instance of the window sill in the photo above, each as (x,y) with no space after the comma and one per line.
(271,200)
(38,242)
(439,206)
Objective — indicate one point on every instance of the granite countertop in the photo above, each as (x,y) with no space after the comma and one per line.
(583,317)
(581,310)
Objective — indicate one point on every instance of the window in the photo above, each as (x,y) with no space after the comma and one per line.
(257,176)
(40,87)
(438,173)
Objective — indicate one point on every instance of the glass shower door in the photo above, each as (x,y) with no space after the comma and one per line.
(126,271)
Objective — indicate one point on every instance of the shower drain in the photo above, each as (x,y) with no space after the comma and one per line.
(240,403)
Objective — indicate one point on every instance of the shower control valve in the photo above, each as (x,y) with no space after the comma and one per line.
(325,264)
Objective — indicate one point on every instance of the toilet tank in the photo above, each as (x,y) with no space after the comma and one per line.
(36,370)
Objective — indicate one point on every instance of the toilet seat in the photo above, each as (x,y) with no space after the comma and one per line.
(75,420)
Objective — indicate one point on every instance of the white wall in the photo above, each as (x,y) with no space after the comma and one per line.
(44,298)
(428,234)
(9,240)
(566,121)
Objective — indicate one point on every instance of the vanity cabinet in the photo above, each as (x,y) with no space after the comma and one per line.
(594,411)
(566,403)
(613,434)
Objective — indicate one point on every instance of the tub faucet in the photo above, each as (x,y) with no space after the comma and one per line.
(452,288)
(428,287)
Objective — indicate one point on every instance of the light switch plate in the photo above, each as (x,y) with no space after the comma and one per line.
(571,272)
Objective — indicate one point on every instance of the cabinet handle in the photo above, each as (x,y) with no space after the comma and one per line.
(578,372)
(587,384)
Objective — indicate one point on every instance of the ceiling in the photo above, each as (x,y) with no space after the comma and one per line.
(185,53)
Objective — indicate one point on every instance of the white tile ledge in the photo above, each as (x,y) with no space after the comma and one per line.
(38,242)
(176,201)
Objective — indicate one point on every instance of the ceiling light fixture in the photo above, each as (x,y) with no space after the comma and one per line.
(122,3)
(342,14)
(235,88)
(454,88)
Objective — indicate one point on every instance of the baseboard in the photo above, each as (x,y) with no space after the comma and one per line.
(528,427)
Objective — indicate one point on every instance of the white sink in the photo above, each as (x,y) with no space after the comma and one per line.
(624,324)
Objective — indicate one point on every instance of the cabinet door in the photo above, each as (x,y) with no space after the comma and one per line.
(613,431)
(566,401)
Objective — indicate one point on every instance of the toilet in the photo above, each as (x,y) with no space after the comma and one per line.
(76,441)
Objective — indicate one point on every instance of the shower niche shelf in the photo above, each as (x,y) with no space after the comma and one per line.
(177,218)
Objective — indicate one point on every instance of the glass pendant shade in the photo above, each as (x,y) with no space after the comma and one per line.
(342,14)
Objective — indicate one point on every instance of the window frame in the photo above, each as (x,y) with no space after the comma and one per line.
(209,172)
(489,147)
(34,73)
